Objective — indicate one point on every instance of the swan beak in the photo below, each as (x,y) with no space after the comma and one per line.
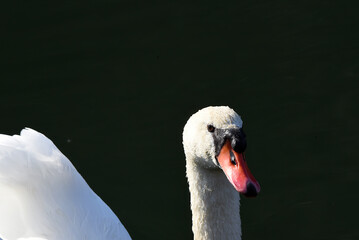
(235,167)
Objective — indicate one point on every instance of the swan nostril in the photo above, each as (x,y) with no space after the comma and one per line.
(233,159)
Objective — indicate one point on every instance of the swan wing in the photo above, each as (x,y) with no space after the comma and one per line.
(42,196)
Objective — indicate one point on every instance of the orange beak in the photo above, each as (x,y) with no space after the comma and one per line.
(235,167)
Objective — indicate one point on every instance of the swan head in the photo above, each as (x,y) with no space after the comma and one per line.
(213,138)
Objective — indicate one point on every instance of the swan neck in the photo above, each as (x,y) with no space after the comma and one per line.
(214,204)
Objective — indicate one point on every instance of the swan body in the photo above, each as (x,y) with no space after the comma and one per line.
(214,142)
(43,197)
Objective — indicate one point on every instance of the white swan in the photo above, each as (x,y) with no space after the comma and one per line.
(43,197)
(214,142)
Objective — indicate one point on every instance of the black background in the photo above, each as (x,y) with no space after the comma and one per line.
(112,83)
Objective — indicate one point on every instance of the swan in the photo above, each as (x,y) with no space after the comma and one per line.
(216,169)
(43,197)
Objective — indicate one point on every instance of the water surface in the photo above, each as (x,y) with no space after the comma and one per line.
(112,84)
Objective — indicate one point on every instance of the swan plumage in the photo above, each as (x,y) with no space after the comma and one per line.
(42,196)
(214,144)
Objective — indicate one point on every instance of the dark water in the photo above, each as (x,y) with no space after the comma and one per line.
(113,83)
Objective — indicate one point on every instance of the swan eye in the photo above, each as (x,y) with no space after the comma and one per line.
(233,159)
(210,128)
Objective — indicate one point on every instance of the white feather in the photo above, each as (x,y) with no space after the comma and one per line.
(42,196)
(214,201)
